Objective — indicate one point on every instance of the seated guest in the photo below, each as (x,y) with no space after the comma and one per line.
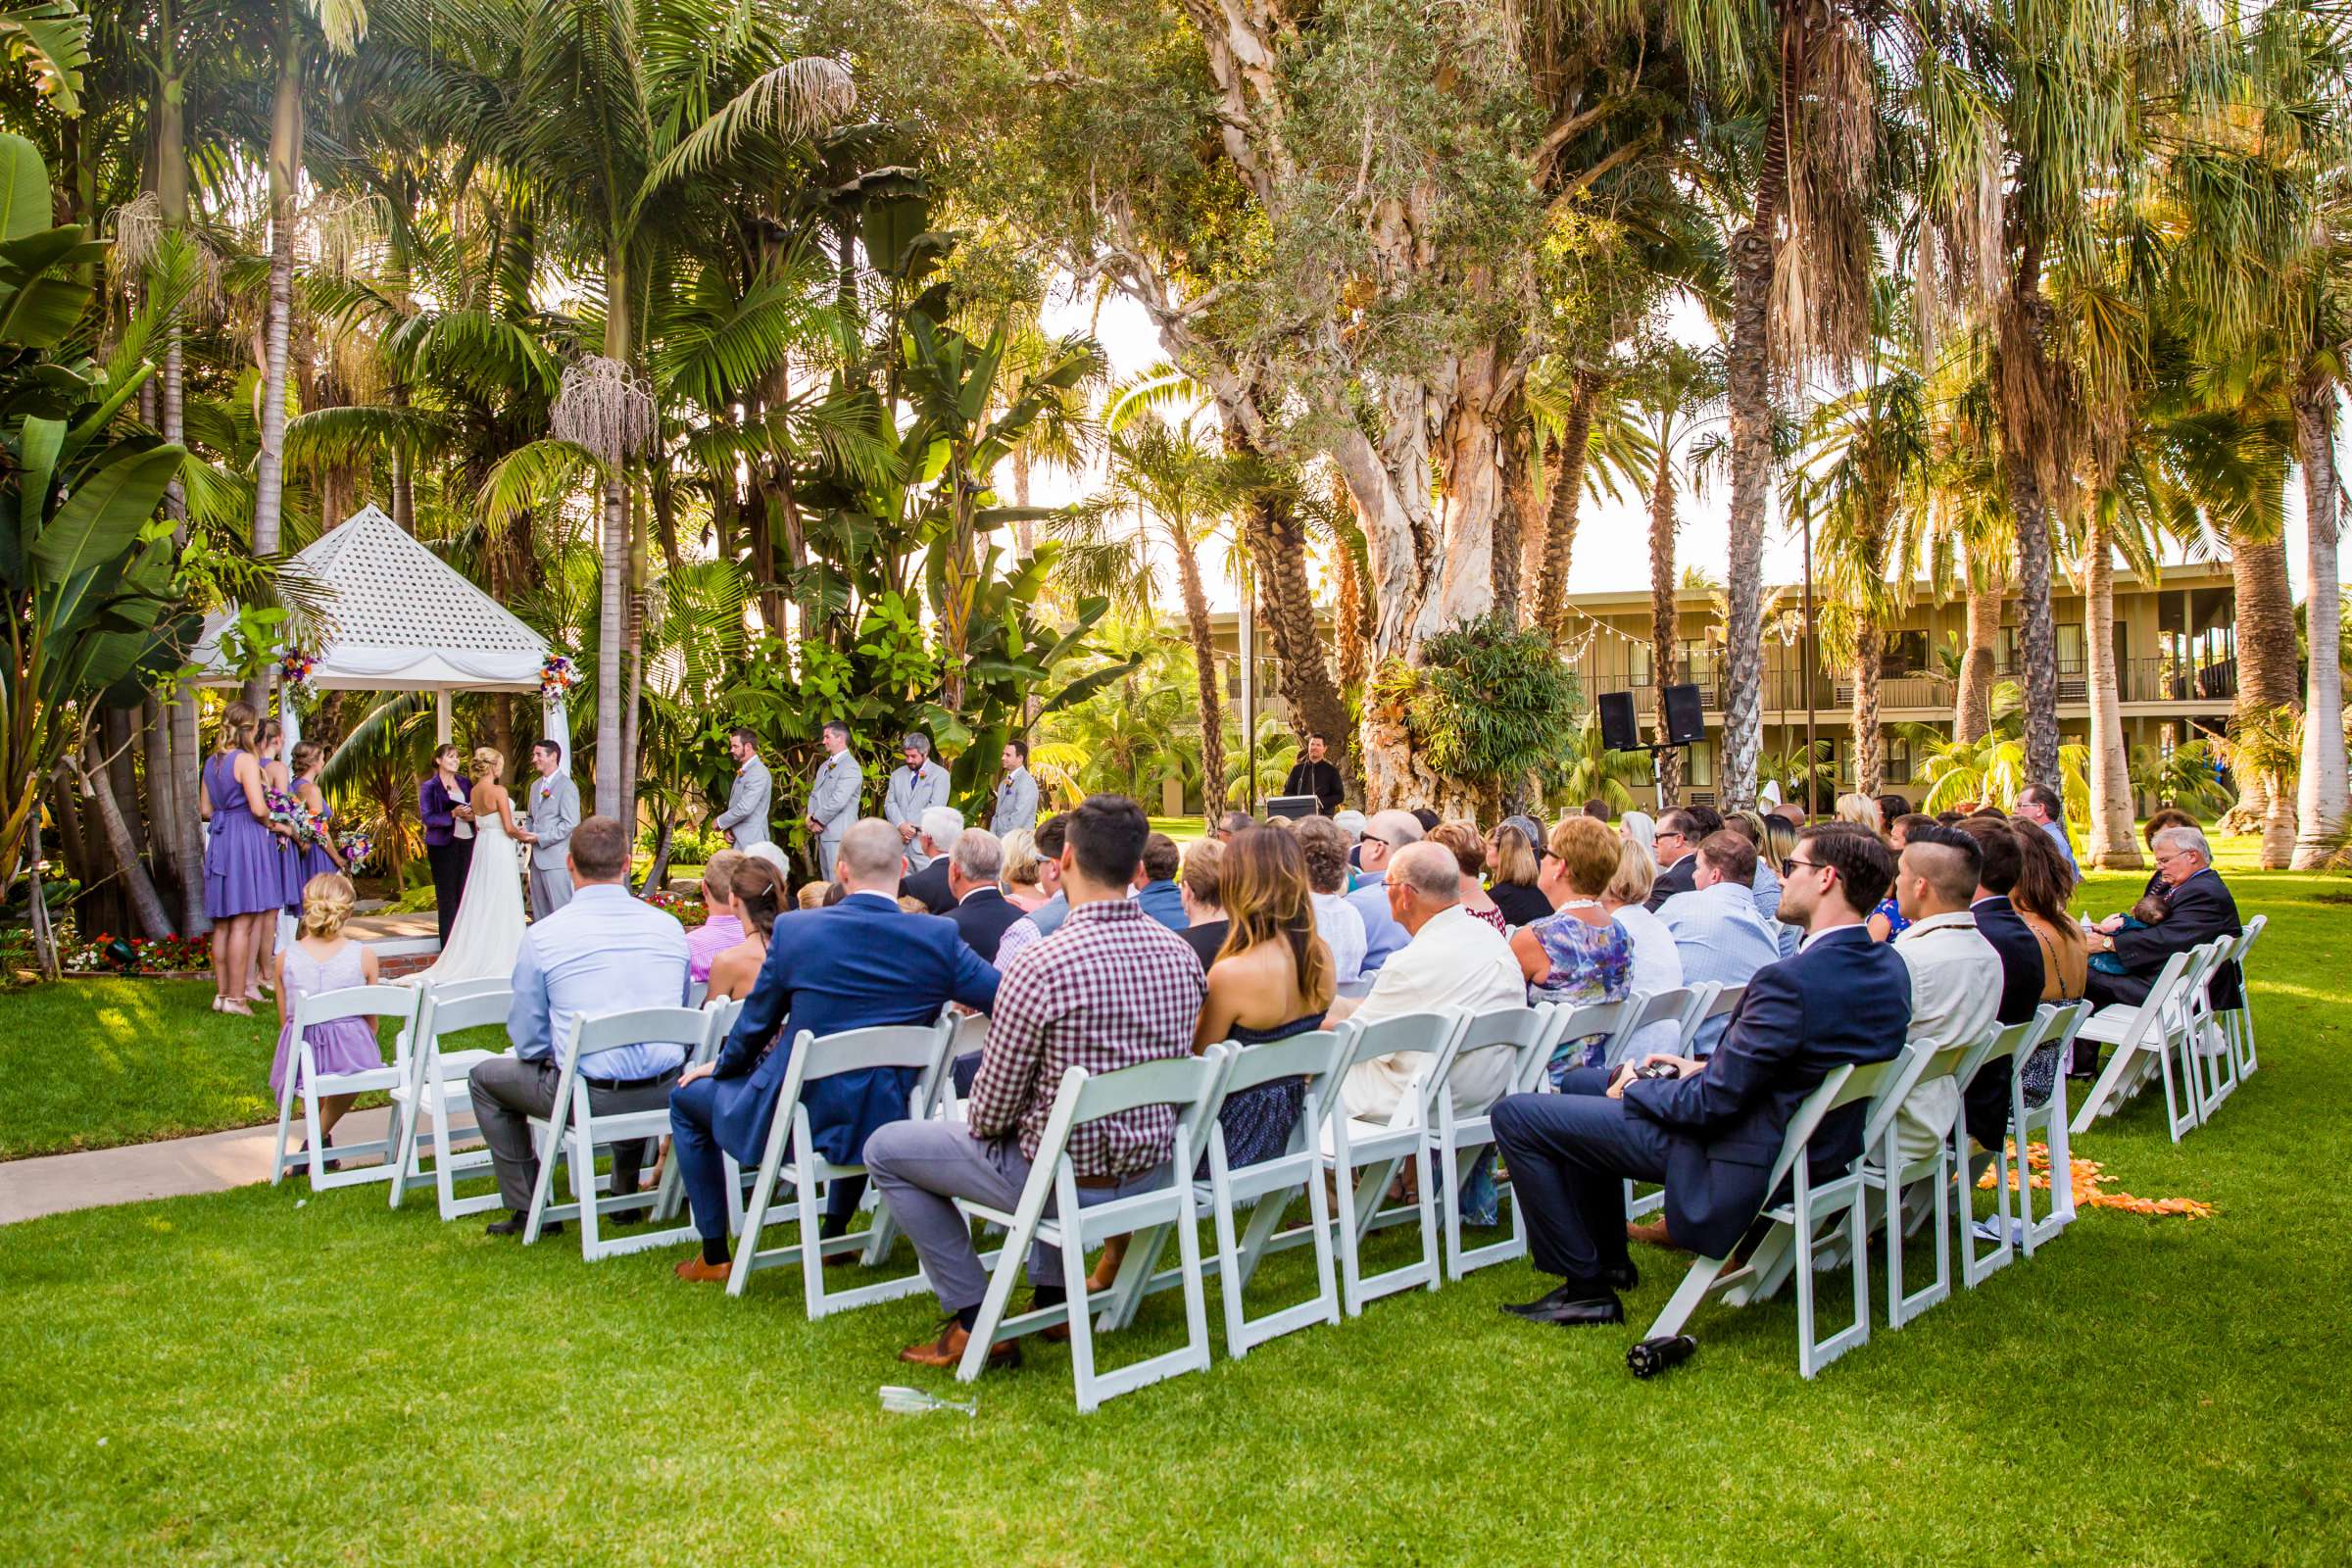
(1891,807)
(1861,811)
(1955,974)
(1325,846)
(1112,987)
(1657,962)
(755,898)
(1206,923)
(1351,823)
(2044,888)
(1640,827)
(1712,1132)
(1470,854)
(1716,927)
(1233,822)
(982,913)
(1047,917)
(604,952)
(861,963)
(1516,861)
(1449,960)
(1385,834)
(1023,879)
(1156,888)
(2045,812)
(2162,817)
(1577,955)
(1598,810)
(941,826)
(1676,846)
(720,930)
(1887,921)
(1988,1098)
(816,895)
(1766,883)
(2200,907)
(1425,819)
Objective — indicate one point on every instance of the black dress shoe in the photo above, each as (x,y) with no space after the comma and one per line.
(1624,1277)
(516,1224)
(1575,1301)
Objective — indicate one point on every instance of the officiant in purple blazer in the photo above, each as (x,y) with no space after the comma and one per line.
(449,856)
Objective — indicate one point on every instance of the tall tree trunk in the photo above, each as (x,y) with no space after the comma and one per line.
(1870,645)
(1567,493)
(285,167)
(1664,620)
(123,738)
(2037,635)
(163,808)
(1747,375)
(1350,610)
(613,609)
(1518,517)
(1971,709)
(1277,540)
(2320,803)
(2032,460)
(2112,845)
(2268,675)
(633,710)
(93,773)
(1204,662)
(404,476)
(175,810)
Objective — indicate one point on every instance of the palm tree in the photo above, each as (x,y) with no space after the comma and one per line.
(1675,396)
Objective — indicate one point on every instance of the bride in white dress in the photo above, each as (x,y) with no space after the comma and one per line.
(488,933)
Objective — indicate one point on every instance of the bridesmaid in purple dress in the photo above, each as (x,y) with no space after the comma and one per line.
(309,860)
(322,959)
(244,880)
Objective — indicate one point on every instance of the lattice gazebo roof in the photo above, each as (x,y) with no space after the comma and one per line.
(396,618)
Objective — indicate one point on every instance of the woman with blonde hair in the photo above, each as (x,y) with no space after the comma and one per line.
(1861,811)
(488,932)
(1576,955)
(322,959)
(1514,871)
(244,869)
(1273,979)
(1020,878)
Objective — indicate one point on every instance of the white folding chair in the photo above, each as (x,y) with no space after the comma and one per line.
(1838,1199)
(1380,1148)
(2144,1042)
(2209,1058)
(970,1035)
(921,1049)
(2049,1119)
(575,1128)
(1681,1007)
(1885,1171)
(2239,1020)
(1456,1141)
(2012,1044)
(1266,1188)
(436,1092)
(1187,1083)
(670,1195)
(398,1003)
(1719,1001)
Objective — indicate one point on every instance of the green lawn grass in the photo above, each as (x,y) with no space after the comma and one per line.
(263,1376)
(92,1063)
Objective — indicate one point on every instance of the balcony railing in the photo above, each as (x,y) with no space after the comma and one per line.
(2137,680)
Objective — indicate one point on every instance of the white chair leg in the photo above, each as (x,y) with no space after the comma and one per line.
(286,1122)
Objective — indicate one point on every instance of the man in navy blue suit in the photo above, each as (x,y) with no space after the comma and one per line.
(1712,1131)
(861,964)
(982,913)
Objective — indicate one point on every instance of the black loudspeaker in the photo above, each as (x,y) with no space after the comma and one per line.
(1619,730)
(1685,716)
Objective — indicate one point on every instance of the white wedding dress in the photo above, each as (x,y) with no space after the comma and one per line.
(488,933)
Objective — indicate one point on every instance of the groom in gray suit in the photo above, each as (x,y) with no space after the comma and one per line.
(555,810)
(832,796)
(748,803)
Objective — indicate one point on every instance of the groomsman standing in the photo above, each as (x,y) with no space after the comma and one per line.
(745,819)
(555,811)
(915,789)
(1016,797)
(832,796)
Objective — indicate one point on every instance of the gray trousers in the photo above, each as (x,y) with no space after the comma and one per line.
(920,1166)
(549,891)
(507,1090)
(826,850)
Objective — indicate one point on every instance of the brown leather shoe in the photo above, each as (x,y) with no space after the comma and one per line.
(695,1271)
(947,1349)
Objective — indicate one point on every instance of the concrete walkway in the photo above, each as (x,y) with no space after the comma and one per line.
(214,1162)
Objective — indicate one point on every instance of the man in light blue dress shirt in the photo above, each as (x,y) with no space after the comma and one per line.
(605,951)
(1717,930)
(1385,833)
(2045,810)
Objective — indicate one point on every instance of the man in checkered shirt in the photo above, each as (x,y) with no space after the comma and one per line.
(1112,987)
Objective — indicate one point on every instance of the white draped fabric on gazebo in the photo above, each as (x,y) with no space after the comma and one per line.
(395,617)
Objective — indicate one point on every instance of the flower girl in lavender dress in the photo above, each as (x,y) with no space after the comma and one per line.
(323,958)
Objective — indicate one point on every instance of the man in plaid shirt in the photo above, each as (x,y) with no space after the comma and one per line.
(1112,987)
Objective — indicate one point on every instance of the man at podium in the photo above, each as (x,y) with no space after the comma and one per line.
(1313,775)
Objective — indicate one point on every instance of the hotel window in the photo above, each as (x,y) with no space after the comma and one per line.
(1906,653)
(1895,759)
(2069,650)
(1701,766)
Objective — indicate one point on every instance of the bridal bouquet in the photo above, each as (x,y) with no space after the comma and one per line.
(285,812)
(354,847)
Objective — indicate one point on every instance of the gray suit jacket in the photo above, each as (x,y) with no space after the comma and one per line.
(1017,802)
(555,810)
(908,798)
(833,796)
(748,803)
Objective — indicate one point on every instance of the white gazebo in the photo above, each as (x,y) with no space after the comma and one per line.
(397,618)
